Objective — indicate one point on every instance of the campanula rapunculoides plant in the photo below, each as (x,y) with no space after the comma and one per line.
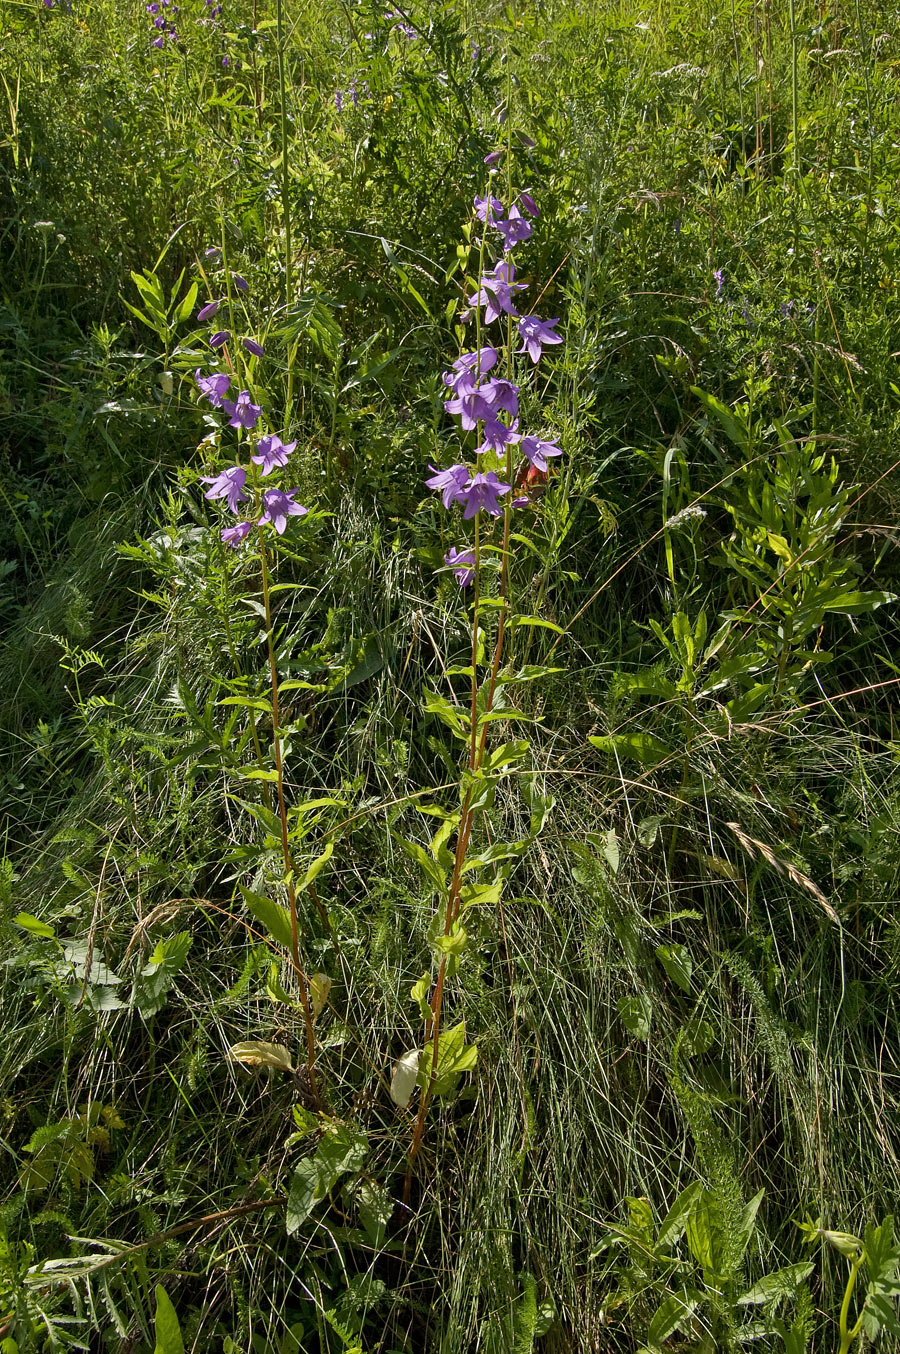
(484,385)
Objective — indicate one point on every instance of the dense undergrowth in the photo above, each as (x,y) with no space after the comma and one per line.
(688,981)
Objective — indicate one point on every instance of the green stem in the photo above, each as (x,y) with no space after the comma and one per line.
(285,181)
(285,842)
(848,1335)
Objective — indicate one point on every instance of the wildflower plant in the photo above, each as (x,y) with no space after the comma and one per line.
(468,862)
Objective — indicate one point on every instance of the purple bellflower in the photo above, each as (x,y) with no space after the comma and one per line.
(533,332)
(232,536)
(220,339)
(493,158)
(240,282)
(228,485)
(537,451)
(214,387)
(471,404)
(208,311)
(273,453)
(242,413)
(529,204)
(450,483)
(719,275)
(488,208)
(464,368)
(496,292)
(462,563)
(483,491)
(514,228)
(279,505)
(497,436)
(253,347)
(501,394)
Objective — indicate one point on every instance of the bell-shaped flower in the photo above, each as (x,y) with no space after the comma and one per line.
(514,228)
(228,485)
(272,453)
(501,394)
(528,203)
(279,505)
(496,292)
(537,451)
(214,387)
(462,563)
(242,412)
(449,483)
(232,536)
(488,208)
(498,436)
(533,332)
(483,491)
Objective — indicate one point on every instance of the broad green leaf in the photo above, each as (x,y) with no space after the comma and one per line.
(455,1056)
(419,994)
(303,1194)
(648,829)
(643,747)
(430,868)
(375,1207)
(668,1318)
(781,1284)
(317,866)
(636,1014)
(165,1327)
(258,1053)
(536,622)
(275,918)
(33,926)
(677,962)
(733,424)
(319,988)
(676,1220)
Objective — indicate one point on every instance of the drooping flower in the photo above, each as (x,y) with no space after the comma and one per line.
(533,332)
(253,347)
(719,275)
(521,502)
(242,412)
(208,311)
(214,387)
(529,204)
(279,505)
(240,282)
(514,228)
(450,483)
(501,394)
(232,536)
(483,491)
(217,340)
(496,292)
(467,368)
(228,485)
(494,157)
(272,453)
(470,404)
(537,451)
(488,208)
(498,436)
(462,563)
(213,254)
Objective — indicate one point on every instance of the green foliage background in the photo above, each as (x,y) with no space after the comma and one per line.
(696,978)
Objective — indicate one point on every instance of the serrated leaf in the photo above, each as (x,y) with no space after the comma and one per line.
(33,926)
(780,1284)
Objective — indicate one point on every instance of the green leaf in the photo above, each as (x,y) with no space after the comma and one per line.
(734,425)
(536,622)
(275,918)
(455,1056)
(186,305)
(636,1014)
(668,1318)
(33,926)
(302,1195)
(317,866)
(166,1327)
(342,1148)
(375,1207)
(780,1284)
(677,962)
(419,994)
(158,974)
(260,1053)
(430,868)
(676,1220)
(648,829)
(643,747)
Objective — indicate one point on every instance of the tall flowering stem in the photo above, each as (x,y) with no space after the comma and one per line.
(488,406)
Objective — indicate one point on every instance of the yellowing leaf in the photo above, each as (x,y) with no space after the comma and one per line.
(258,1053)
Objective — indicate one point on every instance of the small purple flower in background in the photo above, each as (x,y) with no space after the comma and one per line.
(450,483)
(354,92)
(787,309)
(719,275)
(338,100)
(533,332)
(208,311)
(272,452)
(219,339)
(514,228)
(214,387)
(537,451)
(233,536)
(229,485)
(523,501)
(279,505)
(253,347)
(213,255)
(494,158)
(487,208)
(483,491)
(529,204)
(242,413)
(240,282)
(462,563)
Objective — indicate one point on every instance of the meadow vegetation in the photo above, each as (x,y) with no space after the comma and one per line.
(428,930)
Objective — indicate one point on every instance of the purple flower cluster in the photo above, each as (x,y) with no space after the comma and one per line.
(486,403)
(271,454)
(162,13)
(397,19)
